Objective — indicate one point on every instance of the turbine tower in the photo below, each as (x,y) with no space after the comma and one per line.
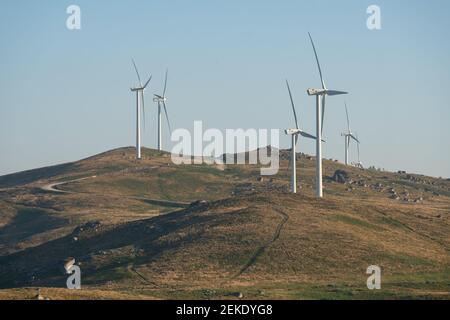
(294,138)
(348,135)
(320,111)
(359,163)
(139,105)
(161,100)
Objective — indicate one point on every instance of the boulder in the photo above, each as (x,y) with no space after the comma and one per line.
(340,176)
(198,203)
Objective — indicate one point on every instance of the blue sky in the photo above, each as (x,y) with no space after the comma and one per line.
(64,95)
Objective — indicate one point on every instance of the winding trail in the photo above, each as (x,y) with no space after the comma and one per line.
(260,250)
(51,187)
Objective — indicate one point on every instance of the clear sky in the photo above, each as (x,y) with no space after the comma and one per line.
(64,95)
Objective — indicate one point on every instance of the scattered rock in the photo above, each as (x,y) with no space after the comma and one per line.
(198,203)
(88,226)
(340,176)
(209,292)
(68,263)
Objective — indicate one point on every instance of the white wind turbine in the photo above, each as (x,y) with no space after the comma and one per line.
(359,163)
(348,135)
(294,138)
(320,110)
(161,100)
(139,105)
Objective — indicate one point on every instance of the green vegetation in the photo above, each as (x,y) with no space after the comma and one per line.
(136,235)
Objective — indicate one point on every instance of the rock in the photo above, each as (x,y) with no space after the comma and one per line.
(240,295)
(198,203)
(88,226)
(340,176)
(260,179)
(68,263)
(75,239)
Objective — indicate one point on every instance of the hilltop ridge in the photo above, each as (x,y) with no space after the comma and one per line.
(150,228)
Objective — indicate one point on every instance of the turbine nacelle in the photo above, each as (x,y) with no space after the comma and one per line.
(158,98)
(292,131)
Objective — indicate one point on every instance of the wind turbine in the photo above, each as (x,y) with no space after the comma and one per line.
(139,104)
(348,135)
(320,111)
(294,137)
(359,163)
(161,100)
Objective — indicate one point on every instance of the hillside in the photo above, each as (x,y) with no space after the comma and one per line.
(137,229)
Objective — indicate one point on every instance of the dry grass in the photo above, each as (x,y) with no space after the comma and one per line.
(262,241)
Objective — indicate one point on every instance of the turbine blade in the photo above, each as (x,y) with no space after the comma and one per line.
(348,121)
(145,86)
(317,60)
(335,92)
(165,84)
(167,116)
(354,138)
(292,104)
(307,135)
(137,72)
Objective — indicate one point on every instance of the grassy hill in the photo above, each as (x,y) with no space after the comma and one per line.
(130,227)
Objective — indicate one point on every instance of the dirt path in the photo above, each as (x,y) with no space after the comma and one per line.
(260,250)
(51,187)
